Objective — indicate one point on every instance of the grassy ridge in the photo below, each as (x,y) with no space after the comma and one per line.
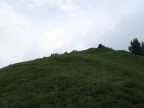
(94,78)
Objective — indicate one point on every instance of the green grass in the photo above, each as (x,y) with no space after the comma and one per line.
(94,78)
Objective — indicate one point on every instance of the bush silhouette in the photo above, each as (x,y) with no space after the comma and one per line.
(136,47)
(142,48)
(101,46)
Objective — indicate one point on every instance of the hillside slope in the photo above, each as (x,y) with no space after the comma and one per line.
(94,78)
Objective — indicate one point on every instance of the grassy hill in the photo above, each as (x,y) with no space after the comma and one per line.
(94,78)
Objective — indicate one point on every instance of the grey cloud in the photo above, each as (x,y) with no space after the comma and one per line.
(113,23)
(128,28)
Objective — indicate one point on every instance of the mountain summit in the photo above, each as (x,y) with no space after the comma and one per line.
(93,78)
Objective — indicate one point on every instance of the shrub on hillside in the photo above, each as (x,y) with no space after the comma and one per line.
(54,54)
(143,47)
(101,46)
(66,52)
(74,51)
(136,47)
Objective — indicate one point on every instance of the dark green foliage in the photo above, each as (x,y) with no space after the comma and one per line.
(54,54)
(66,52)
(136,47)
(101,46)
(142,47)
(74,51)
(94,78)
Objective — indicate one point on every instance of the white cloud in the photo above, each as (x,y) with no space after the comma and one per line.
(73,32)
(13,26)
(46,29)
(56,38)
(68,6)
(10,21)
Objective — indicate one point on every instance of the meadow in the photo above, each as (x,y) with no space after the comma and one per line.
(93,78)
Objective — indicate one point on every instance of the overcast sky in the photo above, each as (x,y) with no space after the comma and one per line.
(31,29)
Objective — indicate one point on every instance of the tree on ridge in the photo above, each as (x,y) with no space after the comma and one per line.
(136,47)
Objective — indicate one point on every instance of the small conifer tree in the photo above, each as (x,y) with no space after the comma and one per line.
(136,47)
